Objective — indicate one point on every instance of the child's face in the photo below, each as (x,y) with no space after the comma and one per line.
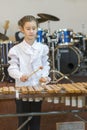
(30,30)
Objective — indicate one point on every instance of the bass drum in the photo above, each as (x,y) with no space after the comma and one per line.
(68,60)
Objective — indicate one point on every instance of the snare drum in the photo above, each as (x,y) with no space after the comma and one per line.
(65,37)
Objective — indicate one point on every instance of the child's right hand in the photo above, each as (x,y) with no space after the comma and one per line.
(24,78)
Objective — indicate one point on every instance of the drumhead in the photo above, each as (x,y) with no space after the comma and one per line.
(67,60)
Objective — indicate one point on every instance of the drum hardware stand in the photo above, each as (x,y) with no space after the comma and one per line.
(49,27)
(2,80)
(59,55)
(3,74)
(3,66)
(84,44)
(56,72)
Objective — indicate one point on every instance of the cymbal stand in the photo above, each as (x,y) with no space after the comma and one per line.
(83,39)
(55,73)
(49,29)
(59,55)
(4,68)
(84,44)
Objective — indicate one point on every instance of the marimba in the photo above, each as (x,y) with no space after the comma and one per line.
(73,95)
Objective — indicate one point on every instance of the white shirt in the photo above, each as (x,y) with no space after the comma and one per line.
(24,59)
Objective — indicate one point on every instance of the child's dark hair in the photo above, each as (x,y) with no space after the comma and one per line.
(27,18)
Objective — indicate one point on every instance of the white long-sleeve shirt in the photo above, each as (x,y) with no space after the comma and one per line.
(24,59)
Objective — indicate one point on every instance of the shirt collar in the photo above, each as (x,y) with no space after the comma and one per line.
(34,45)
(29,48)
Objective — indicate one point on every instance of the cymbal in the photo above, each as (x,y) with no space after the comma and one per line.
(3,37)
(40,20)
(48,17)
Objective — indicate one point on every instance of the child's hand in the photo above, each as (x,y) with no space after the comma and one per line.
(43,80)
(24,78)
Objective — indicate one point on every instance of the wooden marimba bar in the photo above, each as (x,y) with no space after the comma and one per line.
(73,95)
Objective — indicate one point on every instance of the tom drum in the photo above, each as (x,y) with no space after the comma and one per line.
(65,37)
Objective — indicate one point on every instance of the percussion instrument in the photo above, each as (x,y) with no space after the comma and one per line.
(65,37)
(3,37)
(85,44)
(43,36)
(39,35)
(69,94)
(4,48)
(68,59)
(41,20)
(80,41)
(48,17)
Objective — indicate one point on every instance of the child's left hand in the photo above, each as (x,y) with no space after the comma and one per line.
(43,80)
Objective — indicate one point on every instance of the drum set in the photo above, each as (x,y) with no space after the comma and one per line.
(67,55)
(67,49)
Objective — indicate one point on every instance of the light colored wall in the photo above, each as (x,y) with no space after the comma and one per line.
(72,13)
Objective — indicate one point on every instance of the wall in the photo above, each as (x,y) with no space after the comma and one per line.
(72,13)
